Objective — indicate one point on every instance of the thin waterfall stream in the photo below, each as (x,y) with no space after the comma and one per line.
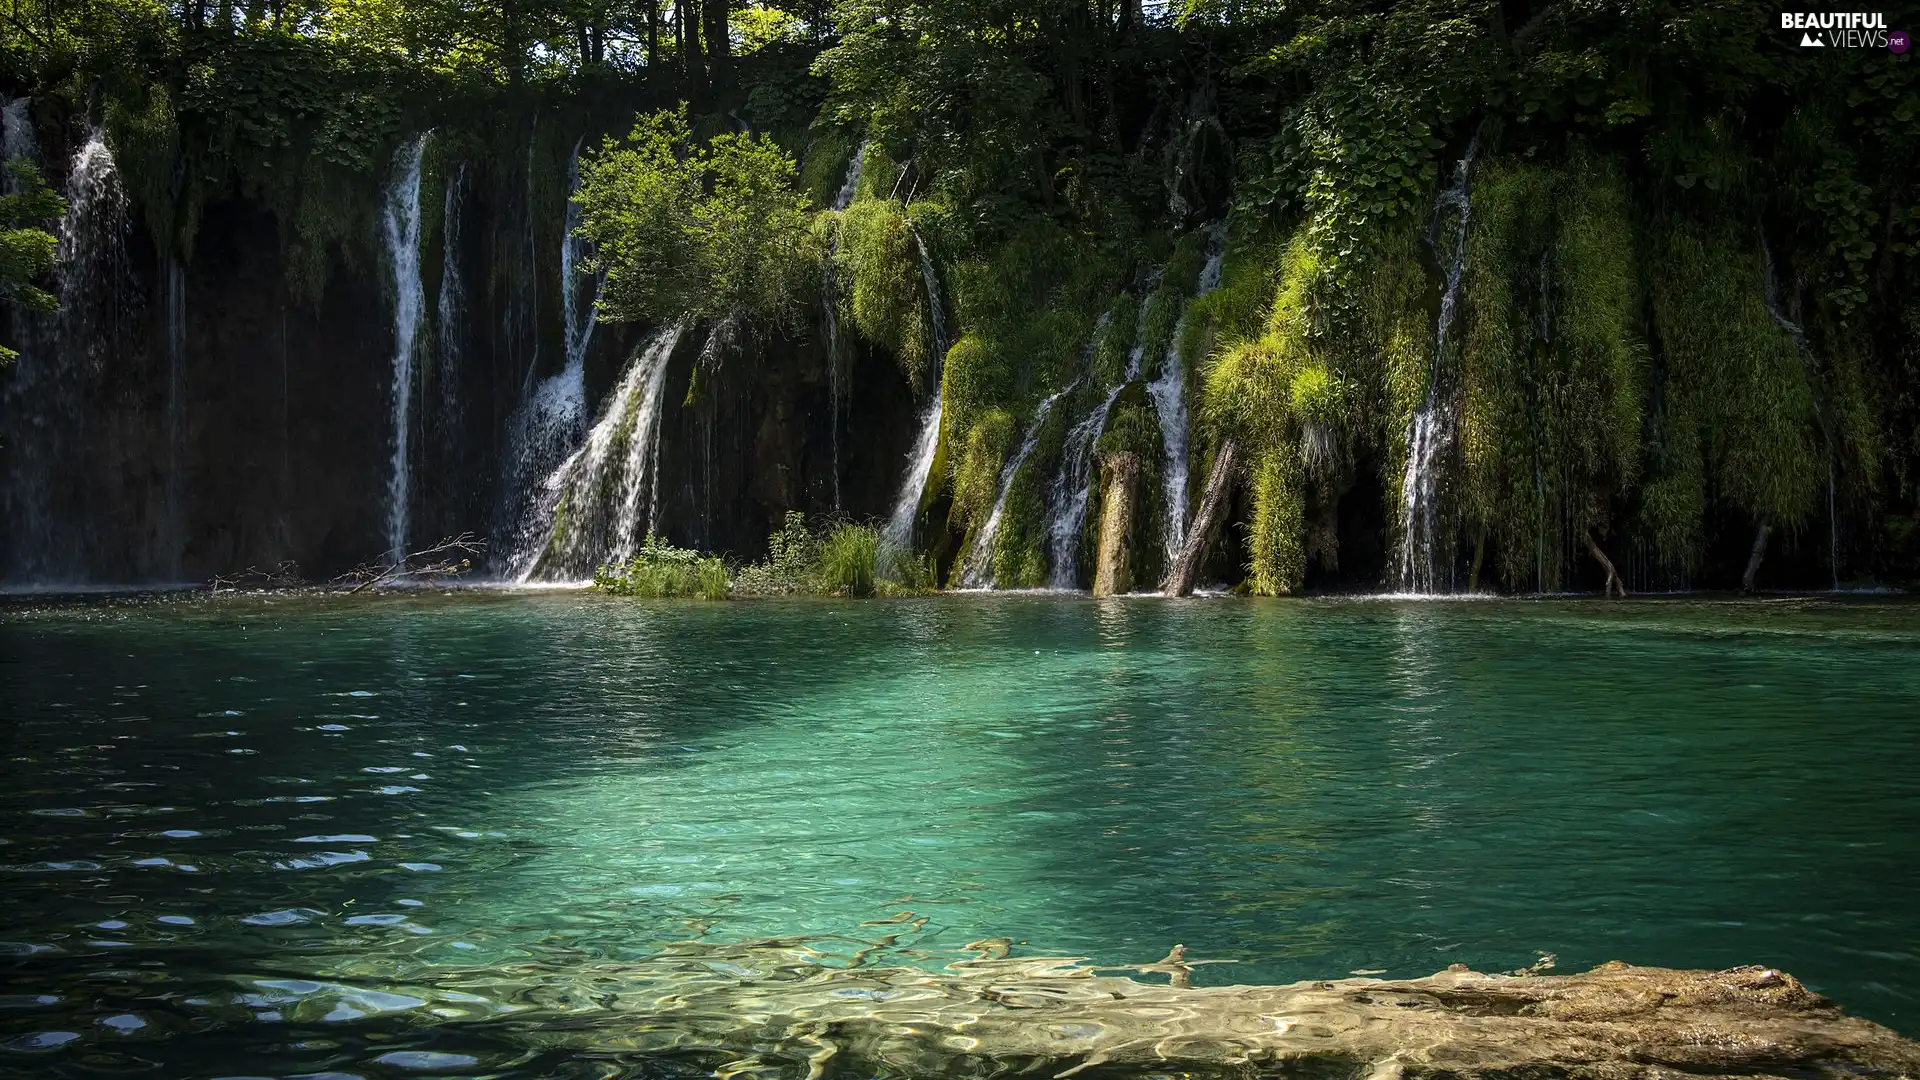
(899,529)
(400,219)
(1169,393)
(979,571)
(830,313)
(1430,435)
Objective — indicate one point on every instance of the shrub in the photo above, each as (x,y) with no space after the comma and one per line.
(661,571)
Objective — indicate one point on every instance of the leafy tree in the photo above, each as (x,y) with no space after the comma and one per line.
(26,247)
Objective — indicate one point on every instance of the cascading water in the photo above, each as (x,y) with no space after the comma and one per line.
(549,423)
(1169,393)
(450,312)
(979,572)
(574,249)
(16,136)
(46,511)
(601,503)
(898,533)
(830,312)
(401,218)
(1430,434)
(1073,484)
(176,414)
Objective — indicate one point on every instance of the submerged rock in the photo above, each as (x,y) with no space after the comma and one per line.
(776,1006)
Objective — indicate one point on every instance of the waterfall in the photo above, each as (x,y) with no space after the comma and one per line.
(548,425)
(829,309)
(906,507)
(1430,434)
(176,414)
(401,218)
(450,313)
(1073,483)
(1169,393)
(573,250)
(16,136)
(601,503)
(47,510)
(979,572)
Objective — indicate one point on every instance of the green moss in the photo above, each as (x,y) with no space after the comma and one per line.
(1734,384)
(976,468)
(883,296)
(1278,559)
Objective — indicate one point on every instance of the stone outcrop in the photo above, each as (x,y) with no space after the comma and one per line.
(775,1005)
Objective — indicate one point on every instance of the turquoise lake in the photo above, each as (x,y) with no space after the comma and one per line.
(236,830)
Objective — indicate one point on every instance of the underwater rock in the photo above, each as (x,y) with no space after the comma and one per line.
(775,1005)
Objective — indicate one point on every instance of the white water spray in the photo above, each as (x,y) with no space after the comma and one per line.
(1431,432)
(898,533)
(600,504)
(401,220)
(979,572)
(1169,393)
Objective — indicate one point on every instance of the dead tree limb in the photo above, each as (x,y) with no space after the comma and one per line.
(1206,521)
(435,561)
(1593,548)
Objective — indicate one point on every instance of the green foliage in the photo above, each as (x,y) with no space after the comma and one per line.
(26,247)
(679,228)
(662,571)
(1278,561)
(976,469)
(1737,424)
(882,294)
(839,558)
(849,557)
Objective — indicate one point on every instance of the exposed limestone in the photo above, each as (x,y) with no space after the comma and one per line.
(776,1006)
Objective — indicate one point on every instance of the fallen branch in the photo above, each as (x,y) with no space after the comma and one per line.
(1593,548)
(432,562)
(1180,576)
(285,575)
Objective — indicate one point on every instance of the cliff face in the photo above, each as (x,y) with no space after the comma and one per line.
(183,419)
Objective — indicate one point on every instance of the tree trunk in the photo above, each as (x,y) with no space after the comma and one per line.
(1113,570)
(653,38)
(719,37)
(1613,576)
(1206,521)
(1759,553)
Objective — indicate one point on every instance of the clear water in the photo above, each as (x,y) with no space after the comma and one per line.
(239,832)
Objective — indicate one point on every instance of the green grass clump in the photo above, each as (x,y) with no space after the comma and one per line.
(834,558)
(849,561)
(662,571)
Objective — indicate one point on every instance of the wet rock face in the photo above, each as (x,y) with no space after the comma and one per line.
(1052,1017)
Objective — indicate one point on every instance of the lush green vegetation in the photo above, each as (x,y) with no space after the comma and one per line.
(26,247)
(662,571)
(831,558)
(1687,310)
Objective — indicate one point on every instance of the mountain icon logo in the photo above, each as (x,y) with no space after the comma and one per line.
(1810,40)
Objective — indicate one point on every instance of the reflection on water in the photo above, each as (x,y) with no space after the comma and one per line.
(292,834)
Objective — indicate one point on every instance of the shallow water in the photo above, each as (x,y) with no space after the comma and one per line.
(238,834)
